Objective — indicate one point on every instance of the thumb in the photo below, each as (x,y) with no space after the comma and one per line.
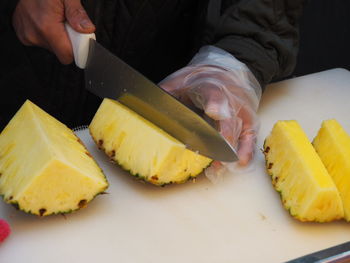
(77,17)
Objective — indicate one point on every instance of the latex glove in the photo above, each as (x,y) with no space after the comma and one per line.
(41,23)
(227,92)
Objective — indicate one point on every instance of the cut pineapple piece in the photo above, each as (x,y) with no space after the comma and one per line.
(44,167)
(306,188)
(142,148)
(332,144)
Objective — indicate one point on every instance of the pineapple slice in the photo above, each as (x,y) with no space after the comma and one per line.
(297,172)
(142,148)
(44,167)
(332,144)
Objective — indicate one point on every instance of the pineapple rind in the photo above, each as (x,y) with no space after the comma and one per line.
(145,178)
(141,148)
(16,205)
(37,140)
(299,176)
(332,144)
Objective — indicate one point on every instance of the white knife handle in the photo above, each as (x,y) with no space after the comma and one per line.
(80,43)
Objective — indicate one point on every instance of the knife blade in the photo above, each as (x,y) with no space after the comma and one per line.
(336,254)
(107,76)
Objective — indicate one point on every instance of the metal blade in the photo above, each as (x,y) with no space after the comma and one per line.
(336,254)
(107,76)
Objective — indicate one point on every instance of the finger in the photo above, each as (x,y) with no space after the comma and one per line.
(247,139)
(77,17)
(29,36)
(231,129)
(59,43)
(215,172)
(26,34)
(240,132)
(246,147)
(212,99)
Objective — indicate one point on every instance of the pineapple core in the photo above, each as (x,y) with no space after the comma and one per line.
(297,172)
(44,167)
(332,144)
(142,148)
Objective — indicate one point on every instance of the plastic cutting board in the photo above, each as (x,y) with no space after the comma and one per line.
(240,219)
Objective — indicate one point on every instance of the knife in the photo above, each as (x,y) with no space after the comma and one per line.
(107,76)
(336,254)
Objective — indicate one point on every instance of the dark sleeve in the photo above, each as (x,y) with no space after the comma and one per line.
(6,10)
(263,34)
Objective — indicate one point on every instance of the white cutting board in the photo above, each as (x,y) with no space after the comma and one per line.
(238,220)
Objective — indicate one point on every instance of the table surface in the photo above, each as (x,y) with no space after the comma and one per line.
(239,219)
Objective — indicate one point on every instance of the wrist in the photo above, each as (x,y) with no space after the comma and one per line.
(214,56)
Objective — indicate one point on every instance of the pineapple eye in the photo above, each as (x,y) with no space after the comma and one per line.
(82,203)
(15,205)
(42,211)
(154,177)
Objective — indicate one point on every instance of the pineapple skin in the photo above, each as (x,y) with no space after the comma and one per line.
(332,144)
(141,148)
(298,175)
(40,172)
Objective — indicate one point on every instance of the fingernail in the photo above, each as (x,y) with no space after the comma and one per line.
(86,24)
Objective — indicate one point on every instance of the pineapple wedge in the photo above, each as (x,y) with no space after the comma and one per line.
(332,144)
(44,167)
(297,172)
(142,148)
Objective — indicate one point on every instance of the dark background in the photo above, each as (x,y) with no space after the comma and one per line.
(324,36)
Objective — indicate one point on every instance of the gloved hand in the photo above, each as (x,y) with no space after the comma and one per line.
(41,23)
(227,92)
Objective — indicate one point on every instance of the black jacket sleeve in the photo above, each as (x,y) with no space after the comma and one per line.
(6,10)
(263,34)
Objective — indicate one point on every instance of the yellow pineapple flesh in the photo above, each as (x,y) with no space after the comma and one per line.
(332,144)
(142,148)
(298,174)
(44,167)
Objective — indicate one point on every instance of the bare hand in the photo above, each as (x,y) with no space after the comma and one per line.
(41,23)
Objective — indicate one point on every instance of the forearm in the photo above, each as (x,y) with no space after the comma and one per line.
(262,34)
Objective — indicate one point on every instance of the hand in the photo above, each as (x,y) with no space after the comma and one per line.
(226,91)
(41,23)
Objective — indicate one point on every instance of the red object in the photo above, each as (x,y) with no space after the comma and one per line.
(4,230)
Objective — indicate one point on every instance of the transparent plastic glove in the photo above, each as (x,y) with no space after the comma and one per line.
(228,93)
